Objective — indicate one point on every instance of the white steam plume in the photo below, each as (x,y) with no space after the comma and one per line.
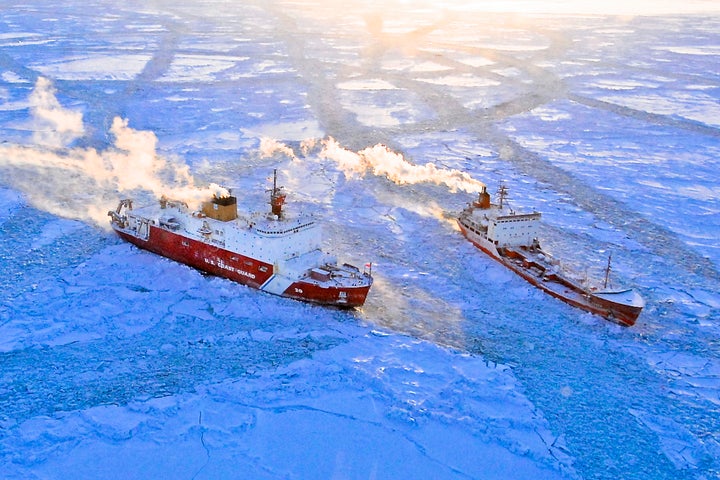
(53,125)
(84,183)
(269,146)
(379,160)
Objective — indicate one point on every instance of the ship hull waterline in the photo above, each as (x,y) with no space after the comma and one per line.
(625,315)
(256,274)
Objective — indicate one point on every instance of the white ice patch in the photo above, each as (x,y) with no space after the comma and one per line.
(693,106)
(623,84)
(55,230)
(464,80)
(288,131)
(347,411)
(12,77)
(678,444)
(698,374)
(22,39)
(510,72)
(199,68)
(377,116)
(691,49)
(266,67)
(370,84)
(477,61)
(18,36)
(97,67)
(514,47)
(414,66)
(549,114)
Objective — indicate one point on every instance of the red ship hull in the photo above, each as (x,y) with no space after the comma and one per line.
(248,271)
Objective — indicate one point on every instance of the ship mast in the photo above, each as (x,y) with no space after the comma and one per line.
(607,271)
(277,198)
(502,194)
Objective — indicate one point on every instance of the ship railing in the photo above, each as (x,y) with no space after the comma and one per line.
(280,232)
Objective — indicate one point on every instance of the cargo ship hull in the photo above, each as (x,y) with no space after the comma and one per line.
(510,239)
(560,287)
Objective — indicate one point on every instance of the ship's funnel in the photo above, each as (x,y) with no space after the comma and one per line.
(221,208)
(483,200)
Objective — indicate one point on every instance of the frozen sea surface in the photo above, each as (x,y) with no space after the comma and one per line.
(116,363)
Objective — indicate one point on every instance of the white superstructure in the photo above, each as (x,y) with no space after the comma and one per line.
(499,225)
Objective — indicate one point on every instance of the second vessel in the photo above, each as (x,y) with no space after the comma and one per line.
(512,239)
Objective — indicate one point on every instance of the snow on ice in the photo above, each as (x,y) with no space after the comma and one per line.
(383,121)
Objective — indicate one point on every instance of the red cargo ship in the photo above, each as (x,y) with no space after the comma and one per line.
(271,251)
(511,239)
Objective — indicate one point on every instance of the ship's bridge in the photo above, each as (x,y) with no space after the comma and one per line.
(270,239)
(514,230)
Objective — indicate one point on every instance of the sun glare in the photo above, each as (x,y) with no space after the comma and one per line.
(584,7)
